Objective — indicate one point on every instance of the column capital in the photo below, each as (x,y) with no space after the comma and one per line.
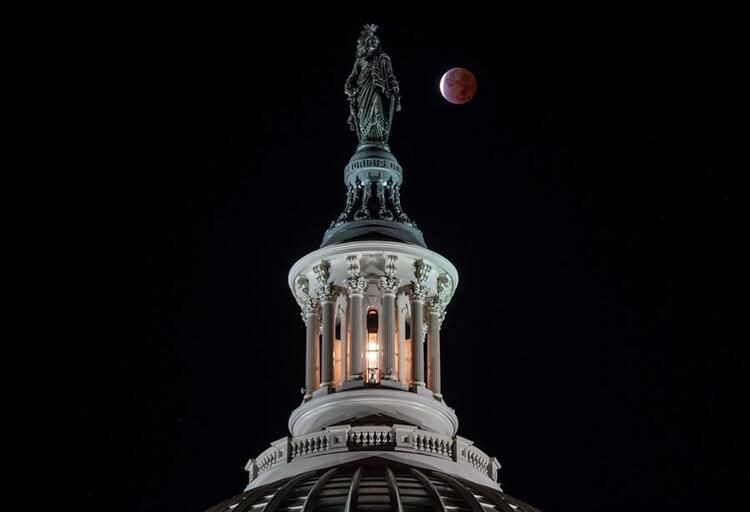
(308,304)
(434,305)
(389,285)
(418,292)
(327,293)
(310,309)
(355,284)
(437,307)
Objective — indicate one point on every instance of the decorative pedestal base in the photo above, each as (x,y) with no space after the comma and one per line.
(323,391)
(418,409)
(393,384)
(420,390)
(352,384)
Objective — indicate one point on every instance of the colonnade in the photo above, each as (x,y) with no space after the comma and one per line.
(336,323)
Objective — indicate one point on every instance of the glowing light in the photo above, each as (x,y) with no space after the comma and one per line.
(373,354)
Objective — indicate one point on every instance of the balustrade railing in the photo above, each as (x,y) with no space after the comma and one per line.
(368,438)
(405,438)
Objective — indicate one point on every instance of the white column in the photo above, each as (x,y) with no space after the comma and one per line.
(355,286)
(401,310)
(417,338)
(389,335)
(326,294)
(433,348)
(343,315)
(328,312)
(419,292)
(310,317)
(356,318)
(388,287)
(309,305)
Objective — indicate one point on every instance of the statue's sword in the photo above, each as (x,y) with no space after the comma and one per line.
(390,116)
(355,120)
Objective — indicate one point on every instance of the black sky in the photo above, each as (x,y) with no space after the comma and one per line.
(590,197)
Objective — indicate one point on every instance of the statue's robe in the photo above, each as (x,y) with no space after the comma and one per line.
(375,82)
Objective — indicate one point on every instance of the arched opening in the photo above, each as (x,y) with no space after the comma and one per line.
(396,344)
(317,360)
(407,373)
(337,377)
(373,348)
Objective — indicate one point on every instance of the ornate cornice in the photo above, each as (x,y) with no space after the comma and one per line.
(322,272)
(445,287)
(422,270)
(391,265)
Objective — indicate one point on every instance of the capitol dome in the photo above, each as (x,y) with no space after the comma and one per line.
(373,431)
(373,485)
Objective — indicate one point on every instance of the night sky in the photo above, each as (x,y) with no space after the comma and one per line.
(588,196)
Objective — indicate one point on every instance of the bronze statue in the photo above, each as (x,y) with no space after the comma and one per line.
(369,87)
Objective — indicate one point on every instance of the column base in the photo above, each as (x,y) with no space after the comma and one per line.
(393,383)
(323,390)
(420,389)
(352,384)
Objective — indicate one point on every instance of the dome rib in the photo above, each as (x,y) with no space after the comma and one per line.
(312,497)
(353,493)
(373,485)
(504,502)
(243,504)
(285,489)
(437,501)
(393,489)
(462,490)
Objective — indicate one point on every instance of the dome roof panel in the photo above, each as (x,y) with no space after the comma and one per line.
(373,485)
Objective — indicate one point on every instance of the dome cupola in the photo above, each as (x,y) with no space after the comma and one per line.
(373,430)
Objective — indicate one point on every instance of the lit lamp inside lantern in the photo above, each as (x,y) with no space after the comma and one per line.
(373,347)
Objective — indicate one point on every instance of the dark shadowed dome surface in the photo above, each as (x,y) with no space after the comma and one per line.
(373,485)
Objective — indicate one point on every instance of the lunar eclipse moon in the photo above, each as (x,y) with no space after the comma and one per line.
(458,86)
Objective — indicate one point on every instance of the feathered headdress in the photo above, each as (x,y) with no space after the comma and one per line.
(369,30)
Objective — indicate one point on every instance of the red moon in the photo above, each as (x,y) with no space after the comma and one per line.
(458,86)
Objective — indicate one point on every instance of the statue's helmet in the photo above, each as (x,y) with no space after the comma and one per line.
(368,41)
